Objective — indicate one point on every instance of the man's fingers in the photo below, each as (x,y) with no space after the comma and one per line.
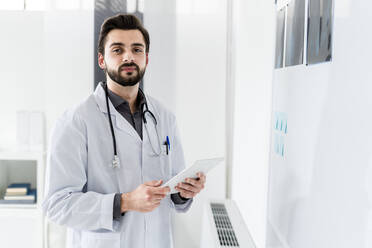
(160,190)
(191,186)
(194,182)
(159,196)
(185,193)
(188,187)
(154,183)
(201,176)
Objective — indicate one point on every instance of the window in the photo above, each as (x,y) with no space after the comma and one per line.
(22,4)
(12,4)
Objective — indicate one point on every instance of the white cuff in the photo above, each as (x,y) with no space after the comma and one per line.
(107,214)
(182,208)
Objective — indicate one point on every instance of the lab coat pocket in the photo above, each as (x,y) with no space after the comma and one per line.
(100,240)
(166,163)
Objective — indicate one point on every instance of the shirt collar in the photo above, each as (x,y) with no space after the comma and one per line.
(117,100)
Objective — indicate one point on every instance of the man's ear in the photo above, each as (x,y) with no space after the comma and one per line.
(147,58)
(101,61)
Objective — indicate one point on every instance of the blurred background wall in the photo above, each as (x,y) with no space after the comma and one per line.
(48,66)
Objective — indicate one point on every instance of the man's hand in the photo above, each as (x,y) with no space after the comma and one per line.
(145,198)
(191,187)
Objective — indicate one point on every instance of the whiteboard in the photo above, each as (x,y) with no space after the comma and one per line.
(320,182)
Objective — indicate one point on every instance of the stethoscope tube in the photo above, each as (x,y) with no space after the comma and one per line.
(148,111)
(111,126)
(115,162)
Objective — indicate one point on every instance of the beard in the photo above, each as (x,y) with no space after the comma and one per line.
(128,80)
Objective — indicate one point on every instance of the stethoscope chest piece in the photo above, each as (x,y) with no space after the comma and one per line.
(115,162)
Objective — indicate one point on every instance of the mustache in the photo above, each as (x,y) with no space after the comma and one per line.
(129,64)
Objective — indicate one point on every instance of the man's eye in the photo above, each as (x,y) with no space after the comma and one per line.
(117,50)
(138,50)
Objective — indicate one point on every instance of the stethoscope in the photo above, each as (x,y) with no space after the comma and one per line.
(115,161)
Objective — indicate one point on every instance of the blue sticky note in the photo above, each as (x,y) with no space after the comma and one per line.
(281,125)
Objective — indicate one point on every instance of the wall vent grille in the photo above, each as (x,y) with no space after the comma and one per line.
(225,230)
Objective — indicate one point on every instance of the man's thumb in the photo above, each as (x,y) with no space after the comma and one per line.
(154,183)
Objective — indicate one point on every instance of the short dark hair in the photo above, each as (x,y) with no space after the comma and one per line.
(121,21)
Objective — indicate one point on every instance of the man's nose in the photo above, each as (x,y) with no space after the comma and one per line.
(128,57)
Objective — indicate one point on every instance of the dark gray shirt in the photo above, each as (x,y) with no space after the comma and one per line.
(122,106)
(135,119)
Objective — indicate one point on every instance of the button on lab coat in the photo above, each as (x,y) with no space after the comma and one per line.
(81,183)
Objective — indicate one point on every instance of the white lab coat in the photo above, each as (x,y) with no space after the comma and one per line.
(81,183)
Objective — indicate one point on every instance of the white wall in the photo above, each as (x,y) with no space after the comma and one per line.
(187,72)
(68,72)
(321,190)
(160,20)
(46,66)
(253,58)
(21,69)
(201,80)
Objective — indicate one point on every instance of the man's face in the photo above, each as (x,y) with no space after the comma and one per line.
(125,58)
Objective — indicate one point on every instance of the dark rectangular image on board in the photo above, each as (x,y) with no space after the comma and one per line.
(280,27)
(102,10)
(295,33)
(320,25)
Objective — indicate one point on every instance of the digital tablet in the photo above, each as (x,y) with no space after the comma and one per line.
(203,165)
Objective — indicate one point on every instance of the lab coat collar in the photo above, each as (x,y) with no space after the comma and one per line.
(117,100)
(118,120)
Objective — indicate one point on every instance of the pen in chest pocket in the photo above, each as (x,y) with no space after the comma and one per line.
(167,145)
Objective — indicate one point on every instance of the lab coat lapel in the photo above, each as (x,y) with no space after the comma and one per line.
(118,120)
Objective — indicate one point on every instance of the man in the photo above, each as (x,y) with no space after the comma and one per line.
(109,156)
